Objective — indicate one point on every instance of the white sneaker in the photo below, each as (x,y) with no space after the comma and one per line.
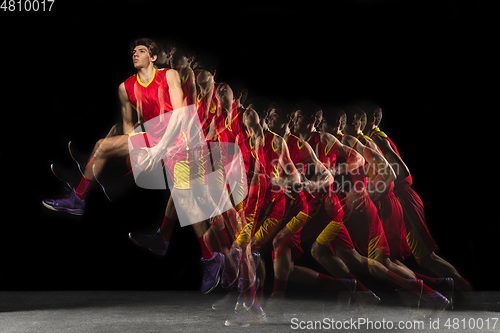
(251,316)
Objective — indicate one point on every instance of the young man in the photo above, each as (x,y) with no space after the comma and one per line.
(420,241)
(140,92)
(333,123)
(189,165)
(286,235)
(381,176)
(389,209)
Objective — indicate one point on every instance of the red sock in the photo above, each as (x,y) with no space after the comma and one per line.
(166,228)
(427,279)
(222,238)
(206,249)
(83,187)
(404,283)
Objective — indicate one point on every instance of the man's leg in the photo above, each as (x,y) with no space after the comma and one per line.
(74,202)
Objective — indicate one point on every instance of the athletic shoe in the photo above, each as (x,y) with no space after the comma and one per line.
(243,286)
(233,269)
(347,297)
(435,301)
(226,304)
(366,298)
(154,243)
(212,272)
(70,204)
(410,298)
(251,316)
(446,287)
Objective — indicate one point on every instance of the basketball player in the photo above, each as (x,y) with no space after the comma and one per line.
(333,123)
(420,241)
(140,92)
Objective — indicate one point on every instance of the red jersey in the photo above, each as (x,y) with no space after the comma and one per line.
(255,158)
(405,183)
(189,91)
(206,108)
(151,98)
(228,130)
(272,155)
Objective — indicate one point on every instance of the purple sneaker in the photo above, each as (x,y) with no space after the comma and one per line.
(69,204)
(212,272)
(154,243)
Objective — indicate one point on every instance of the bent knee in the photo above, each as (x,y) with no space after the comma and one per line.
(318,250)
(431,257)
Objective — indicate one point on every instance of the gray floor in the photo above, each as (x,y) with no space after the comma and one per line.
(189,311)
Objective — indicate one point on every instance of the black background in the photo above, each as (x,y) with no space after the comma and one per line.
(425,62)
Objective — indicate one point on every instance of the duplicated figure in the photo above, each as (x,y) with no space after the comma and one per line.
(266,177)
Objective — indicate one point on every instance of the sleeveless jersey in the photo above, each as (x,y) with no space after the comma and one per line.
(151,98)
(405,183)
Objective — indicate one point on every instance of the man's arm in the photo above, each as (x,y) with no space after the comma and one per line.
(126,109)
(379,170)
(393,158)
(179,117)
(174,89)
(324,177)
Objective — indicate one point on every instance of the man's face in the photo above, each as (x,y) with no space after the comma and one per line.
(327,128)
(353,127)
(203,77)
(319,119)
(274,120)
(343,120)
(250,118)
(225,95)
(141,57)
(300,124)
(177,59)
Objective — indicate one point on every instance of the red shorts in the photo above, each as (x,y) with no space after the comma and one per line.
(391,216)
(297,207)
(366,230)
(270,217)
(322,210)
(418,236)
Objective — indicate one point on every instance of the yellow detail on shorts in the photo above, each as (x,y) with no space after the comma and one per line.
(371,262)
(415,241)
(181,175)
(245,235)
(267,230)
(297,222)
(373,247)
(328,235)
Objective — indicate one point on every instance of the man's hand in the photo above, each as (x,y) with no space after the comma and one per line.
(145,159)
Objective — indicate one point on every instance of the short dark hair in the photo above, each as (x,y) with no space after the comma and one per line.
(372,110)
(206,62)
(332,114)
(309,109)
(283,108)
(154,49)
(355,112)
(259,105)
